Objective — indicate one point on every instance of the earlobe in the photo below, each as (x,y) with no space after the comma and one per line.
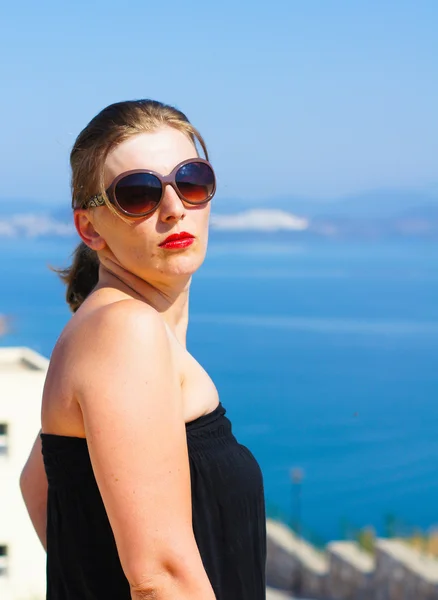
(87,231)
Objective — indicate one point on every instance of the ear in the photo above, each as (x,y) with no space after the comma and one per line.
(87,231)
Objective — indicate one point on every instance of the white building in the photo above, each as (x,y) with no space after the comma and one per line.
(22,558)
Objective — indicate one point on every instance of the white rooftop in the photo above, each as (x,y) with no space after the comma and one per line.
(16,359)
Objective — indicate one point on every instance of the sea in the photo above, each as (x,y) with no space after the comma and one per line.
(325,356)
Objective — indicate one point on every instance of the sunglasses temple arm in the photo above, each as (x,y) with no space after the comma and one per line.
(95,201)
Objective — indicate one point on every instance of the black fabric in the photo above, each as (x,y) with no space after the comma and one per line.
(228,517)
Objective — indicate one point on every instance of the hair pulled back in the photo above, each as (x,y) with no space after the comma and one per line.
(113,125)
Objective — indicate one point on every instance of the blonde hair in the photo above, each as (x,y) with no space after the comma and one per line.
(113,125)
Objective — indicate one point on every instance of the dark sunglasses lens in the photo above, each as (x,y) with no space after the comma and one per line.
(195,181)
(138,193)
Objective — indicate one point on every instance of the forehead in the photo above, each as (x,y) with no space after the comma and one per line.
(158,151)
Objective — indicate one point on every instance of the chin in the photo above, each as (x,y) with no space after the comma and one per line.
(187,269)
(180,265)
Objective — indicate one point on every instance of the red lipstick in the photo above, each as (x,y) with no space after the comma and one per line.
(178,240)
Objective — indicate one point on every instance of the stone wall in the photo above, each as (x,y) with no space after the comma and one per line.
(345,572)
(350,573)
(294,565)
(402,573)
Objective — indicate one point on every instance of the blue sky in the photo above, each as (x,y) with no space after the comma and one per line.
(311,98)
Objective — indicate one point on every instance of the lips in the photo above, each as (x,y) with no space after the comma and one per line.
(183,235)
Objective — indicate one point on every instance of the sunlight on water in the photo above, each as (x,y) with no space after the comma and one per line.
(365,327)
(323,355)
(233,248)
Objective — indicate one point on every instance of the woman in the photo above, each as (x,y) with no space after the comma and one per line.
(149,494)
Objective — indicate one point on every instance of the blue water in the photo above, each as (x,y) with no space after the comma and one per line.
(325,356)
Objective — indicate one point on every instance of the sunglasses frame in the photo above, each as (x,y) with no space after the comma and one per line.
(98,199)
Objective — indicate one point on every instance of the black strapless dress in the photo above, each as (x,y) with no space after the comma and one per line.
(228,517)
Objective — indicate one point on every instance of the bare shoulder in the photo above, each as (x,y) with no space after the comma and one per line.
(106,354)
(123,335)
(121,320)
(125,380)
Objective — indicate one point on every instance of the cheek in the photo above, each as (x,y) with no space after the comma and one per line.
(142,240)
(127,240)
(202,217)
(203,227)
(107,223)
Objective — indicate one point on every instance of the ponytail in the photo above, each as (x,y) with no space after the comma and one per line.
(81,277)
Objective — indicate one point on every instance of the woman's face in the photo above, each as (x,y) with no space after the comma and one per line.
(135,244)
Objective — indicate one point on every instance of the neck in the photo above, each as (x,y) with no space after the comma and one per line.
(170,299)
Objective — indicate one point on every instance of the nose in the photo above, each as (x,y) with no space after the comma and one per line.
(171,206)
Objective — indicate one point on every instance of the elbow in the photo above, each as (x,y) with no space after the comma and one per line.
(145,584)
(168,579)
(153,587)
(148,589)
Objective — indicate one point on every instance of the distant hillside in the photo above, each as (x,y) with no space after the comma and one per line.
(371,204)
(371,215)
(374,204)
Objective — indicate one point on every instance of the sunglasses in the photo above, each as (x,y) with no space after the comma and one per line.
(138,193)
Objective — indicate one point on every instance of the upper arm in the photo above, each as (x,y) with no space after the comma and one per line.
(130,399)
